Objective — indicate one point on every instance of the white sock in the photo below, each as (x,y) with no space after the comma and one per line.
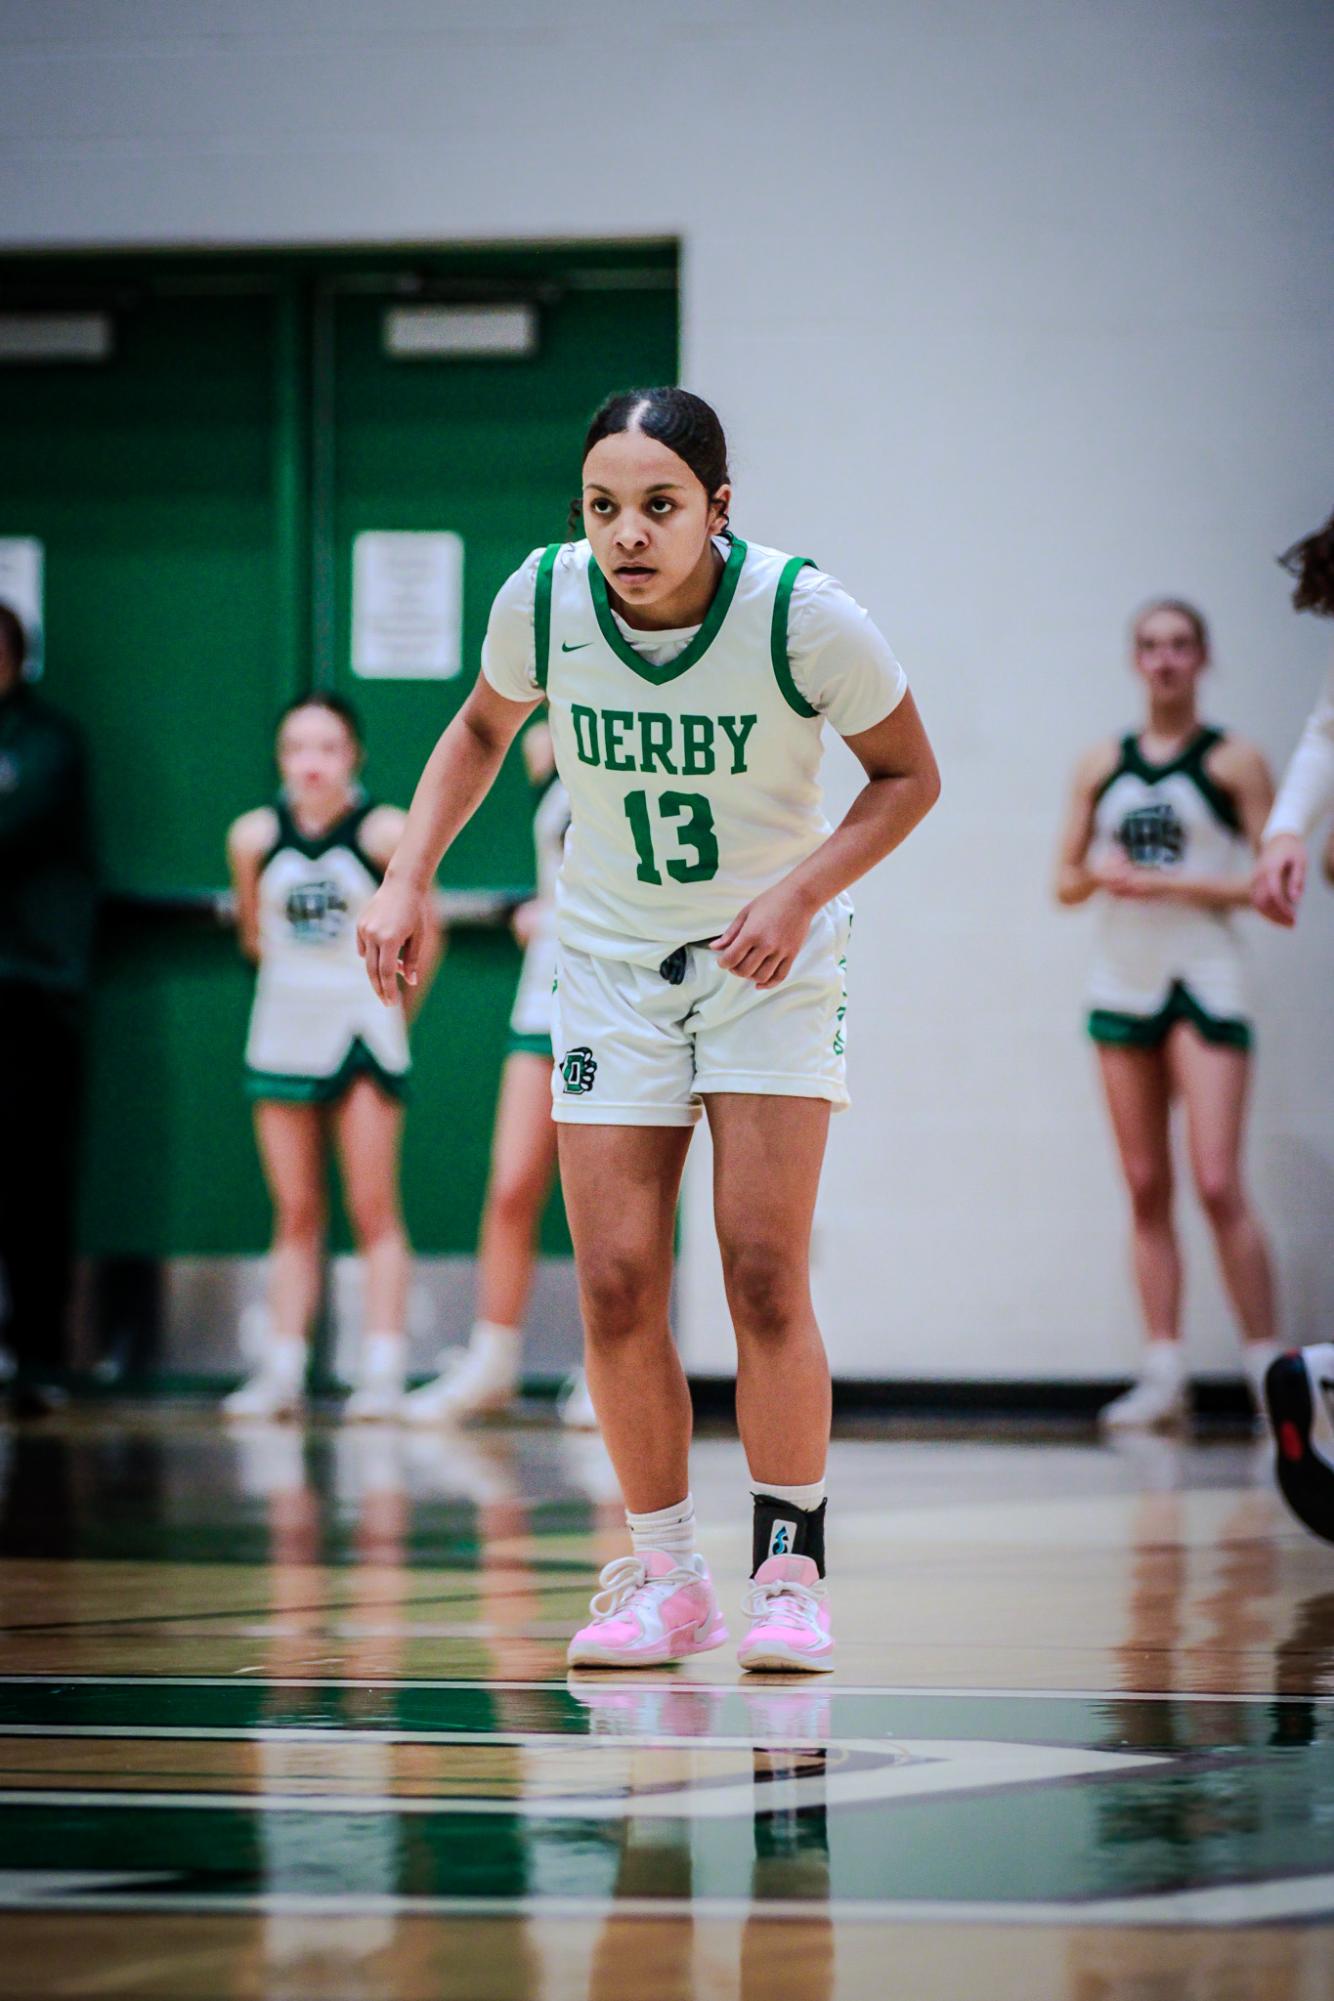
(669,1529)
(1255,1358)
(496,1346)
(808,1498)
(1164,1362)
(285,1359)
(383,1358)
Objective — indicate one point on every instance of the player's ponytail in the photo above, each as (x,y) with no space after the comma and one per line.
(1311,562)
(677,418)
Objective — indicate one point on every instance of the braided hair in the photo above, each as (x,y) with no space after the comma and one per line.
(677,418)
(1311,562)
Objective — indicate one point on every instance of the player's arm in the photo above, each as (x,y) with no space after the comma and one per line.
(381,832)
(248,841)
(902,785)
(1240,769)
(459,773)
(1075,882)
(1306,793)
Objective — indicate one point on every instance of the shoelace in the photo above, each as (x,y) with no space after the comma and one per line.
(799,1604)
(625,1577)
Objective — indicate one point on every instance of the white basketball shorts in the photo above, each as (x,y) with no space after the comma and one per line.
(633,1048)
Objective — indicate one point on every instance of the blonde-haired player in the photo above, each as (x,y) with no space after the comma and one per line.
(324,1070)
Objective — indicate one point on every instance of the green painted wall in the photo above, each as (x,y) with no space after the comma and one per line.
(197,496)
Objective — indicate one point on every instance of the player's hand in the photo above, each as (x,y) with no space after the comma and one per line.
(526,919)
(1119,877)
(1280,878)
(389,937)
(763,939)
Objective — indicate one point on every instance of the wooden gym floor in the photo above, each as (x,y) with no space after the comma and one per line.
(286,1715)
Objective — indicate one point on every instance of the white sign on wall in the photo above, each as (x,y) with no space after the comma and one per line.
(407,605)
(21,590)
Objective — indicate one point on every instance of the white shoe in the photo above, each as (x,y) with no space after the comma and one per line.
(1157,1402)
(575,1405)
(469,1385)
(378,1395)
(269,1393)
(375,1403)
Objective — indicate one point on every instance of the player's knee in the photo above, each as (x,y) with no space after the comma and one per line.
(764,1287)
(515,1199)
(1150,1187)
(617,1293)
(1219,1188)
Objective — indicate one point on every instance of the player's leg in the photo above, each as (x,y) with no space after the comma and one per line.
(1213,1080)
(621,1185)
(768,1152)
(41,1063)
(1138,1088)
(291,1145)
(767,1156)
(485,1375)
(368,1134)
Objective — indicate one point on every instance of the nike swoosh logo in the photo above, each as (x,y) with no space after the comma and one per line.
(578,647)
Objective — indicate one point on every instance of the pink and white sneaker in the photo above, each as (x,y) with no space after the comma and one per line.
(651,1608)
(788,1609)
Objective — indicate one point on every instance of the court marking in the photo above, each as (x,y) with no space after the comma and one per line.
(757,1684)
(1224,1907)
(893,1770)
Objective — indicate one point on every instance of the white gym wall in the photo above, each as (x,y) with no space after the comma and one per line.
(1016,315)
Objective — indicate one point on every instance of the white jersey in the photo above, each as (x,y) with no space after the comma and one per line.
(691,758)
(313,1001)
(1168,817)
(532,1000)
(1307,790)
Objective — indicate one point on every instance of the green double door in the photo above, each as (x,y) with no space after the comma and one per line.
(197,495)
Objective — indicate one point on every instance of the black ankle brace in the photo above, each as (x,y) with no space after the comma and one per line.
(782,1530)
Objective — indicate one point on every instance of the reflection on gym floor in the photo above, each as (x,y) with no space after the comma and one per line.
(285,1712)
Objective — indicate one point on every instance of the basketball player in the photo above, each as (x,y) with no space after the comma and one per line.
(324,1064)
(1299,1389)
(702,940)
(1160,829)
(484,1376)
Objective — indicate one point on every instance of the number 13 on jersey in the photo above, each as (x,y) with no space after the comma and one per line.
(695,830)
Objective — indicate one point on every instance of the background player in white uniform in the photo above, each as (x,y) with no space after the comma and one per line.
(323,1066)
(702,926)
(1160,829)
(484,1376)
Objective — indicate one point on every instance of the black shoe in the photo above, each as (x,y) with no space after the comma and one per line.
(1298,1391)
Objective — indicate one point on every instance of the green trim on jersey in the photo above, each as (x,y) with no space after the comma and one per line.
(778,636)
(1189,762)
(1150,1031)
(529,1045)
(344,833)
(698,646)
(295,1090)
(542,612)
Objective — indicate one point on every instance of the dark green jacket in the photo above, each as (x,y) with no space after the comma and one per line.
(47,880)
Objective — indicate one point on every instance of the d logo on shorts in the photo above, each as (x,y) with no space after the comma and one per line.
(578,1069)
